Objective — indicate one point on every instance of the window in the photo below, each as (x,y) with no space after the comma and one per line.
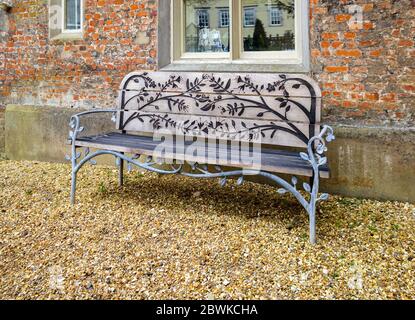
(66,19)
(239,35)
(275,17)
(223,18)
(249,17)
(203,18)
(72,15)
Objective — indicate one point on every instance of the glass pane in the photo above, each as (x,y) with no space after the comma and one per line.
(78,14)
(268,25)
(207,24)
(73,14)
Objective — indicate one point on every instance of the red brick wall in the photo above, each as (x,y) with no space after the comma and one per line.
(367,71)
(79,73)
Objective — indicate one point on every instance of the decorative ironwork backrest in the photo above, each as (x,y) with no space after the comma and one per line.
(276,109)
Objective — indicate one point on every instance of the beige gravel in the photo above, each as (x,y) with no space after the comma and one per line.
(172,237)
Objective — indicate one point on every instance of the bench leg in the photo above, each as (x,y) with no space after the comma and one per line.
(74,172)
(312,217)
(73,188)
(312,213)
(121,172)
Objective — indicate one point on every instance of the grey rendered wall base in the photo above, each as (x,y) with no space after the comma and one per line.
(373,162)
(40,133)
(365,162)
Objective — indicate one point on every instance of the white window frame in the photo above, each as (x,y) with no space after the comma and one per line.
(220,12)
(253,9)
(280,14)
(73,31)
(297,60)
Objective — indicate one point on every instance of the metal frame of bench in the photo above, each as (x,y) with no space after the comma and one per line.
(315,144)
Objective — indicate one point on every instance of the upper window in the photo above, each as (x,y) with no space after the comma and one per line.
(72,17)
(240,31)
(223,18)
(249,17)
(203,18)
(275,16)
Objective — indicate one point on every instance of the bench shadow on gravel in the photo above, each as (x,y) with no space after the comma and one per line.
(251,201)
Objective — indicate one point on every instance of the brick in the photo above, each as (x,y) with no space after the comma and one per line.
(409,87)
(388,97)
(343,17)
(372,96)
(350,35)
(406,43)
(375,53)
(325,44)
(348,53)
(329,36)
(337,69)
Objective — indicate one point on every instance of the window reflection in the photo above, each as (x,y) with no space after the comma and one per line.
(207,24)
(268,25)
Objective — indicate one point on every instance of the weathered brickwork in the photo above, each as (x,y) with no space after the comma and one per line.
(119,37)
(366,69)
(365,60)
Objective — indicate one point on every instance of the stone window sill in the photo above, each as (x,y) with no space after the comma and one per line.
(68,36)
(236,67)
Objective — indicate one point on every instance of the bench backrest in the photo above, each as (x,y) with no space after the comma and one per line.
(275,109)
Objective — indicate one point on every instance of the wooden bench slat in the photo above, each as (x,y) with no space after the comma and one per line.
(263,131)
(293,109)
(269,84)
(130,141)
(271,160)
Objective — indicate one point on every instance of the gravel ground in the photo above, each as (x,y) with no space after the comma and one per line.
(172,237)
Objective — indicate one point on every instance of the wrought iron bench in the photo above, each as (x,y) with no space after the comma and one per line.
(223,125)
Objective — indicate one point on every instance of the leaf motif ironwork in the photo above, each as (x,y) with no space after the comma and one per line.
(148,110)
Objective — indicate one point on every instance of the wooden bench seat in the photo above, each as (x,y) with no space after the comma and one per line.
(281,161)
(223,124)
